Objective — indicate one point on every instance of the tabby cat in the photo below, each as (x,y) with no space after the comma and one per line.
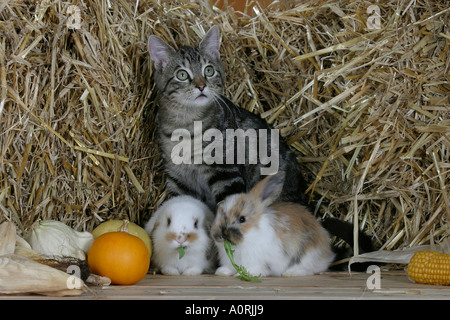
(190,84)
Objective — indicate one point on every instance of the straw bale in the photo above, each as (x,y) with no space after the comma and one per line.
(366,109)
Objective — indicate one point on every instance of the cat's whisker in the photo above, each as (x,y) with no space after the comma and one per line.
(222,102)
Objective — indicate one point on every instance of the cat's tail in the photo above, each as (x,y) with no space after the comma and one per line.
(344,230)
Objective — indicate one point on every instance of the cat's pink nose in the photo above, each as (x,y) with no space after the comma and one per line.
(199,83)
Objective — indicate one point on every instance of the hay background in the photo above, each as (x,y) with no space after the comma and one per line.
(366,110)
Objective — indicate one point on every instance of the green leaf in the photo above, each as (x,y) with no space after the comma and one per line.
(243,273)
(181,252)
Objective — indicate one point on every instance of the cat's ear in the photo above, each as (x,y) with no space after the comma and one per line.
(160,52)
(211,43)
(269,189)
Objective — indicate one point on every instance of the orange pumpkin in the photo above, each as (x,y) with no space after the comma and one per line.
(120,256)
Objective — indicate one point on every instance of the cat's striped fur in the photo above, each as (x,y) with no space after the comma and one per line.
(190,84)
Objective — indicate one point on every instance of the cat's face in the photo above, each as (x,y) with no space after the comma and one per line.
(191,77)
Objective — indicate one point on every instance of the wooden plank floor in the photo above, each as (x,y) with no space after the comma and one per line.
(393,285)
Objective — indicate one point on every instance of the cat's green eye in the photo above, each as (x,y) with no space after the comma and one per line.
(209,71)
(182,75)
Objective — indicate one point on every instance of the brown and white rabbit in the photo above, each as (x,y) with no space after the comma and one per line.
(271,239)
(182,221)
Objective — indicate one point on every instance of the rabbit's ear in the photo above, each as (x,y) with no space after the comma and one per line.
(151,224)
(269,189)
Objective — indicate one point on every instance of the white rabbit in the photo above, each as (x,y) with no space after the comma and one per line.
(271,239)
(182,221)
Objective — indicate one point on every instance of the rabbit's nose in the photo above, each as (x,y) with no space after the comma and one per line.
(181,238)
(233,235)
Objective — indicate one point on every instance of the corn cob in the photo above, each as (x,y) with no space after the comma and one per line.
(430,267)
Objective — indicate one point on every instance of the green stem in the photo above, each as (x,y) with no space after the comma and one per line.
(243,273)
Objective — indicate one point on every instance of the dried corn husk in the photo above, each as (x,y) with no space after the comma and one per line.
(23,248)
(22,275)
(398,256)
(7,238)
(19,274)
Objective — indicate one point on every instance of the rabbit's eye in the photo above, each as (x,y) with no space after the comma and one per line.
(168,221)
(196,224)
(241,219)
